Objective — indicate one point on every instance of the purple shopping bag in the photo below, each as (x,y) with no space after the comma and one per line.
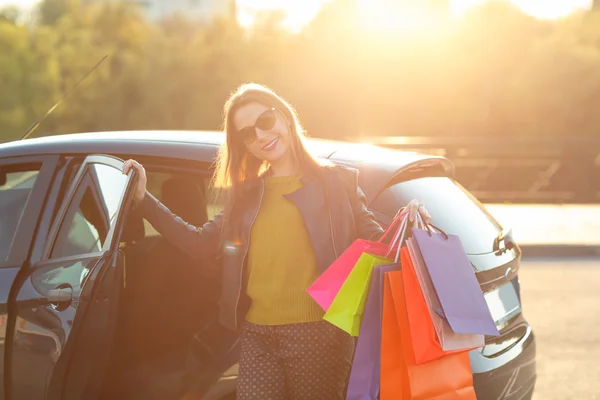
(365,375)
(455,283)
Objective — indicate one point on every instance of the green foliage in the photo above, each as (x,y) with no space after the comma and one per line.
(494,72)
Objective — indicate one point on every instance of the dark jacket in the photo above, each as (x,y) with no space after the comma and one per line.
(333,208)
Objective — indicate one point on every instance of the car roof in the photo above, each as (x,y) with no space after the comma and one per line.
(376,164)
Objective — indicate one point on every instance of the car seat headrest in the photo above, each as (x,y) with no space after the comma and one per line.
(185,197)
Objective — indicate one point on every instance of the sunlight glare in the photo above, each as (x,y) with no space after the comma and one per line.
(391,16)
(460,7)
(298,13)
(543,9)
(551,9)
(394,16)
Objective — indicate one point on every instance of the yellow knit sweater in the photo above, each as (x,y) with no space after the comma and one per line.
(281,260)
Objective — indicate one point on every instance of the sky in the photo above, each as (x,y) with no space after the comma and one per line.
(300,12)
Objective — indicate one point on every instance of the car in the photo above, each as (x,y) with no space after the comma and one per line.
(95,304)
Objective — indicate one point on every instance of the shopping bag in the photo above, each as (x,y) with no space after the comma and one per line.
(326,287)
(416,274)
(429,343)
(394,382)
(347,308)
(365,373)
(426,343)
(461,300)
(449,377)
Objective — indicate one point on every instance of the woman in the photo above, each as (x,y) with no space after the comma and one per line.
(286,218)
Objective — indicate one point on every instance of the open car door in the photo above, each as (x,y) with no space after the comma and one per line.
(67,298)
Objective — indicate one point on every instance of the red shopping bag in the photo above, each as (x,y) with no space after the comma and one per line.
(326,287)
(425,341)
(447,378)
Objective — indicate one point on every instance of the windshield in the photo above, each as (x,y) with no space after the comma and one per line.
(453,209)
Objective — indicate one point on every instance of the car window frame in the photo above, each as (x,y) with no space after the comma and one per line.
(26,230)
(75,192)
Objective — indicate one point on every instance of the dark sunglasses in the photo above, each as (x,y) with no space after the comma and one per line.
(264,122)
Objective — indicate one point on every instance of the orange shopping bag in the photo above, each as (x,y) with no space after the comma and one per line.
(425,340)
(447,378)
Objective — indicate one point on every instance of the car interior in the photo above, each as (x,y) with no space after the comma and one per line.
(168,298)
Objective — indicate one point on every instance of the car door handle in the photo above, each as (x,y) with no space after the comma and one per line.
(60,295)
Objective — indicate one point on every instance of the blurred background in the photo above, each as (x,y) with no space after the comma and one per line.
(508,90)
(492,70)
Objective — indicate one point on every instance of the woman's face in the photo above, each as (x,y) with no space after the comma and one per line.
(264,131)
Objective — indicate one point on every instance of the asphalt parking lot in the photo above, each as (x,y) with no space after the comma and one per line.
(561,300)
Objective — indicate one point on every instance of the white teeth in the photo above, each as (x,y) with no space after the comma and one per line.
(271,144)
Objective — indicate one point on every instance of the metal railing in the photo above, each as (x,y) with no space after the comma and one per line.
(514,169)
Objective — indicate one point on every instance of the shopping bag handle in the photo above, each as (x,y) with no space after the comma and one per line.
(400,226)
(391,228)
(399,238)
(428,227)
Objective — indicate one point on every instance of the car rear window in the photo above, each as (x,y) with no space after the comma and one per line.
(452,208)
(15,187)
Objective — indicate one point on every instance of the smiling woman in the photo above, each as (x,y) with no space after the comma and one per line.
(272,243)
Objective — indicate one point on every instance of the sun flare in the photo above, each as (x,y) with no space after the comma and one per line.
(392,16)
(543,9)
(298,13)
(399,15)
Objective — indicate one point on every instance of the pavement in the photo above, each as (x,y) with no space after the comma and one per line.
(560,285)
(561,301)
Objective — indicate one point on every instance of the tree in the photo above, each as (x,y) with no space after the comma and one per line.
(9,14)
(51,11)
(494,72)
(28,79)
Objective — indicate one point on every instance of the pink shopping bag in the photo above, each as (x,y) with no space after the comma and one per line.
(328,284)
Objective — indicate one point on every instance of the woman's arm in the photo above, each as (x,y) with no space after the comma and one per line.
(197,242)
(367,226)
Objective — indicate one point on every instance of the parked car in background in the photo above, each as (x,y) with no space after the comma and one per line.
(95,304)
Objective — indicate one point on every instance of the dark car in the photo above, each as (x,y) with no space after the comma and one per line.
(96,304)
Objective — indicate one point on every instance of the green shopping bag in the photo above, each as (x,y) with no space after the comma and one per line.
(347,308)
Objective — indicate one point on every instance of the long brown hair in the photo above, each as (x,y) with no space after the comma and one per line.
(235,165)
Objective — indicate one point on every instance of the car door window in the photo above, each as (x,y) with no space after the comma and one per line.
(88,221)
(16,184)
